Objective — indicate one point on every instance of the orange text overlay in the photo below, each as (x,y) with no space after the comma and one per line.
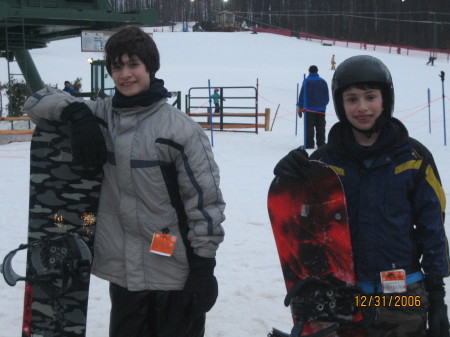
(387,301)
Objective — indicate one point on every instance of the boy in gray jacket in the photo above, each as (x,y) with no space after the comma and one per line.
(161,185)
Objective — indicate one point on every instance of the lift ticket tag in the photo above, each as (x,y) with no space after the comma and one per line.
(393,281)
(163,244)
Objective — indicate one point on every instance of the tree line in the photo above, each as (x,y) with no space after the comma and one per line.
(423,24)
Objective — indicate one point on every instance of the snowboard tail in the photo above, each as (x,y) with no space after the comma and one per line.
(62,213)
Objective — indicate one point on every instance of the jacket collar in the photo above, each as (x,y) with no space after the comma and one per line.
(342,142)
(143,99)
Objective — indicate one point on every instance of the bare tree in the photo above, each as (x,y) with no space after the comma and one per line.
(424,24)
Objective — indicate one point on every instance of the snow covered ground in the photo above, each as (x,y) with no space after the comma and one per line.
(251,286)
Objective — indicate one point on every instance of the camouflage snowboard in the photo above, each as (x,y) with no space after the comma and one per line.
(63,206)
(310,225)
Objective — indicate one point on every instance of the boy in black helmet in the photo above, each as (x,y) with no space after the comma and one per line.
(395,202)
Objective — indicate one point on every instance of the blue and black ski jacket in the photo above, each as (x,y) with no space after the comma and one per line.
(395,204)
(314,94)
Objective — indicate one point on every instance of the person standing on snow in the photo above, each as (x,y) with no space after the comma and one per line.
(312,101)
(161,184)
(333,63)
(216,100)
(395,201)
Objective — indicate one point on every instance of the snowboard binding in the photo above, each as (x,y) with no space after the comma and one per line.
(55,261)
(331,301)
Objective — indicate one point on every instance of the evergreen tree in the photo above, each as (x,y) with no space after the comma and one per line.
(17,92)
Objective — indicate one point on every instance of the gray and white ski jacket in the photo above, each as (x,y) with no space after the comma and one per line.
(160,177)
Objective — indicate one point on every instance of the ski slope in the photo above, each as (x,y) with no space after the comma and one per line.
(251,287)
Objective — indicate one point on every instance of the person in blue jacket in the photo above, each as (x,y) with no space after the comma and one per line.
(395,202)
(68,87)
(312,101)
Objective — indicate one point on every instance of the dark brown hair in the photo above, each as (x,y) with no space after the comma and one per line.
(133,41)
(364,86)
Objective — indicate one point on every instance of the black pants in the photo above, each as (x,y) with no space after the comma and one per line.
(393,321)
(315,120)
(150,314)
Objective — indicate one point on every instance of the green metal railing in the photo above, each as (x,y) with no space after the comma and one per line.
(234,102)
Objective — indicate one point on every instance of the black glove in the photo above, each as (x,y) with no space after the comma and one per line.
(438,325)
(293,165)
(88,143)
(201,289)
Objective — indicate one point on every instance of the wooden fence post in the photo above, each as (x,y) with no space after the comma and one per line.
(267,119)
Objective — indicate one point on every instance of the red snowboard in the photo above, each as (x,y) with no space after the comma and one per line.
(310,224)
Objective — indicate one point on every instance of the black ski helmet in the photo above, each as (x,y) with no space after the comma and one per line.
(362,69)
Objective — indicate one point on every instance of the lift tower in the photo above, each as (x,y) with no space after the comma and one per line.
(30,24)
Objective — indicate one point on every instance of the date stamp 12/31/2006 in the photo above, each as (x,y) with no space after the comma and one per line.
(387,301)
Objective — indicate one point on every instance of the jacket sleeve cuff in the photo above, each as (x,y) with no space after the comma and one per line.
(206,253)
